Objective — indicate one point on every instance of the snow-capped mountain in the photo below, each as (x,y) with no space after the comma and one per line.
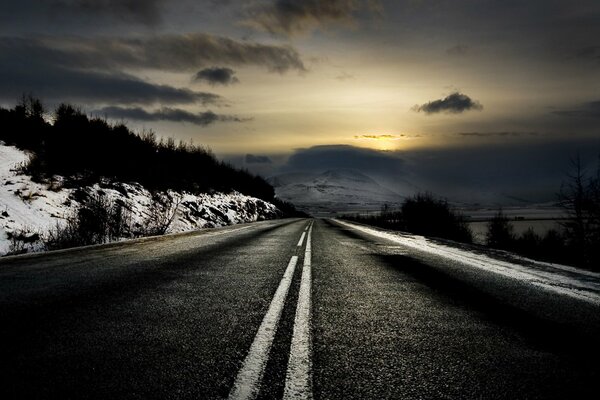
(29,210)
(333,190)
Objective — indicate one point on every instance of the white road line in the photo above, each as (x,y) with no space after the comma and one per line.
(247,382)
(298,381)
(301,240)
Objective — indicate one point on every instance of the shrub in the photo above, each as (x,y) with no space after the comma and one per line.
(500,232)
(161,213)
(97,220)
(422,214)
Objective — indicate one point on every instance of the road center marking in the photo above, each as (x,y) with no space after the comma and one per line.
(298,382)
(301,240)
(247,382)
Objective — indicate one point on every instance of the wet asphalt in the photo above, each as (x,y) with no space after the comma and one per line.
(174,317)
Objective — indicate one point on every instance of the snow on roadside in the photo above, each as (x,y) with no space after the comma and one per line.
(560,279)
(31,209)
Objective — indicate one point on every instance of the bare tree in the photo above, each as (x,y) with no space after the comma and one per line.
(579,197)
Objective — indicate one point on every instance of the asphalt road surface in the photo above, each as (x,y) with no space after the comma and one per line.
(293,309)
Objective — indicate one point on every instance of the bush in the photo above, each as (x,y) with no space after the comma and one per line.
(97,220)
(161,213)
(500,232)
(422,214)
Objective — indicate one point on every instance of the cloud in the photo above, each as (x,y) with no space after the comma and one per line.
(587,110)
(37,15)
(494,172)
(56,83)
(488,173)
(216,76)
(591,53)
(386,137)
(177,53)
(257,159)
(147,12)
(321,158)
(166,114)
(344,76)
(378,137)
(498,134)
(75,68)
(455,103)
(458,50)
(294,16)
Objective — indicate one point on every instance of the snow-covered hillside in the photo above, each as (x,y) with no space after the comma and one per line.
(30,209)
(333,190)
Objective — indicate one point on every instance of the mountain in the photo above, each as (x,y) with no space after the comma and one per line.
(333,190)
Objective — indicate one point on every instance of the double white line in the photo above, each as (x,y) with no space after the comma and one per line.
(298,384)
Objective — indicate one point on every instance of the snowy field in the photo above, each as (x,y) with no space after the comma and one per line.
(31,209)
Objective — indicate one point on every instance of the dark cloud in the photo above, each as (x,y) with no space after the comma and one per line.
(455,103)
(320,158)
(494,173)
(591,53)
(164,52)
(292,16)
(458,50)
(166,114)
(143,11)
(257,159)
(216,76)
(73,68)
(53,83)
(79,15)
(498,134)
(490,173)
(587,110)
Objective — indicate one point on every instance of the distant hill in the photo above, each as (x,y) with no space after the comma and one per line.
(333,190)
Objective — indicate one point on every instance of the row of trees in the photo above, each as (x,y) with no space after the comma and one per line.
(575,242)
(86,149)
(578,239)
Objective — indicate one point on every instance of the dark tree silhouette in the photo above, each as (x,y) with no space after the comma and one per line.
(580,199)
(500,232)
(86,150)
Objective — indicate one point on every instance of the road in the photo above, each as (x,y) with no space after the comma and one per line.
(293,308)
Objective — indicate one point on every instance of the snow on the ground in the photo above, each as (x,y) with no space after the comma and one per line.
(31,209)
(560,279)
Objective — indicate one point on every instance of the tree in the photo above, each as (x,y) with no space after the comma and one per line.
(579,197)
(500,232)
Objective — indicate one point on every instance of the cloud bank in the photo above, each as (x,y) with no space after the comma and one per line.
(489,174)
(81,69)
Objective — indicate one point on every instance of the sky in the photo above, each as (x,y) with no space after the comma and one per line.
(458,96)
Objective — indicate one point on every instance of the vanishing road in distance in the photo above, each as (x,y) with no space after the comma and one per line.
(294,309)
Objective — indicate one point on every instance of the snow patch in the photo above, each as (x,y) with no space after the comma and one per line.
(29,208)
(560,279)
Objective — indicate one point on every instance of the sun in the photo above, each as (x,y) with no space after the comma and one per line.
(383,142)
